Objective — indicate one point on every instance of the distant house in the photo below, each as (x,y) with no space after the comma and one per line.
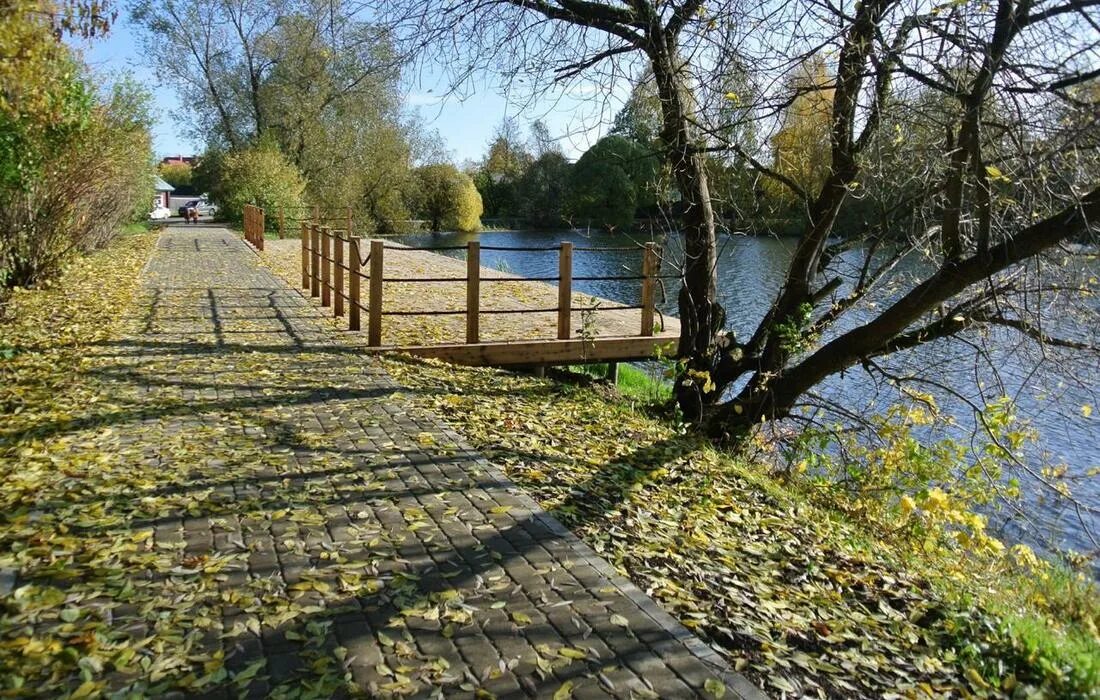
(179,160)
(164,190)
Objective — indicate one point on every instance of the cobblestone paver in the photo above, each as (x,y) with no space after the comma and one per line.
(352,544)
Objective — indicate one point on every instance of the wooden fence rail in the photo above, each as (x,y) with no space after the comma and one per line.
(254,226)
(332,270)
(254,220)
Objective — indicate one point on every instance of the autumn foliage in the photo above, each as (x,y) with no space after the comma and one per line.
(53,127)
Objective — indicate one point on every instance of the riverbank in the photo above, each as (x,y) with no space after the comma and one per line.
(803,597)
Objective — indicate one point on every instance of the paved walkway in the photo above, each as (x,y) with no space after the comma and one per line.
(327,539)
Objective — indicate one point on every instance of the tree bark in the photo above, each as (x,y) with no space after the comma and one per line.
(701,316)
(767,400)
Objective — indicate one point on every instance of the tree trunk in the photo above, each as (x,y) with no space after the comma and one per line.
(773,397)
(701,316)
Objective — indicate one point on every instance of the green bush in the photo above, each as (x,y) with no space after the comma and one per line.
(259,175)
(74,165)
(176,174)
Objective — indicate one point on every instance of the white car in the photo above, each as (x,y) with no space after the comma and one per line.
(160,212)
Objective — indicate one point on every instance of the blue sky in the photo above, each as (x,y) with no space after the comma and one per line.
(465,126)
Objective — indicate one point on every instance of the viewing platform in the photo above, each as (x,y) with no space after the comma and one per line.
(415,300)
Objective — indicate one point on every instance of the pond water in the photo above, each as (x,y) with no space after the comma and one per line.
(1049,394)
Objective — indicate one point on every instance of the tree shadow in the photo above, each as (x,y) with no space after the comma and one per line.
(314,521)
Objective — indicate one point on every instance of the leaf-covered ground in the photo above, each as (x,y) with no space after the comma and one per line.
(200,494)
(802,601)
(100,591)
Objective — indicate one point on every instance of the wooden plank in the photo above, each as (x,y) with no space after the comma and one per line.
(315,261)
(473,290)
(260,226)
(545,352)
(649,290)
(338,275)
(353,283)
(305,255)
(326,267)
(565,290)
(374,301)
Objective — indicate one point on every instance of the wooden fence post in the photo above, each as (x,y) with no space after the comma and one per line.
(326,267)
(353,283)
(316,214)
(338,275)
(315,260)
(374,302)
(247,223)
(565,290)
(473,291)
(305,256)
(649,272)
(260,225)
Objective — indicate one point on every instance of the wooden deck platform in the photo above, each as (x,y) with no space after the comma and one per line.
(551,351)
(423,307)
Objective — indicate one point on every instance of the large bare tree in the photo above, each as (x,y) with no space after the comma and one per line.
(996,190)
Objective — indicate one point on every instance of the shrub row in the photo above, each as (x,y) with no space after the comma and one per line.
(75,163)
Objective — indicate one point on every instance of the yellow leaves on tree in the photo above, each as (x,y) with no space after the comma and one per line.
(801,146)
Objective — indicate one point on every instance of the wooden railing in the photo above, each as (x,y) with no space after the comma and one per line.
(332,266)
(254,226)
(254,220)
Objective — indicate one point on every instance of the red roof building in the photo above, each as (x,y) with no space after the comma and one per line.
(178,160)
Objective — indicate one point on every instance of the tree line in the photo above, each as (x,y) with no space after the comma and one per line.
(300,104)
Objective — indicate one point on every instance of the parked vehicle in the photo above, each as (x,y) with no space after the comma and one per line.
(160,212)
(205,207)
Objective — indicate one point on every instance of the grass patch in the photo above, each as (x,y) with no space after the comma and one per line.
(633,383)
(137,228)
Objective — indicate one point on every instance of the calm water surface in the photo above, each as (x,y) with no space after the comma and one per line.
(750,271)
